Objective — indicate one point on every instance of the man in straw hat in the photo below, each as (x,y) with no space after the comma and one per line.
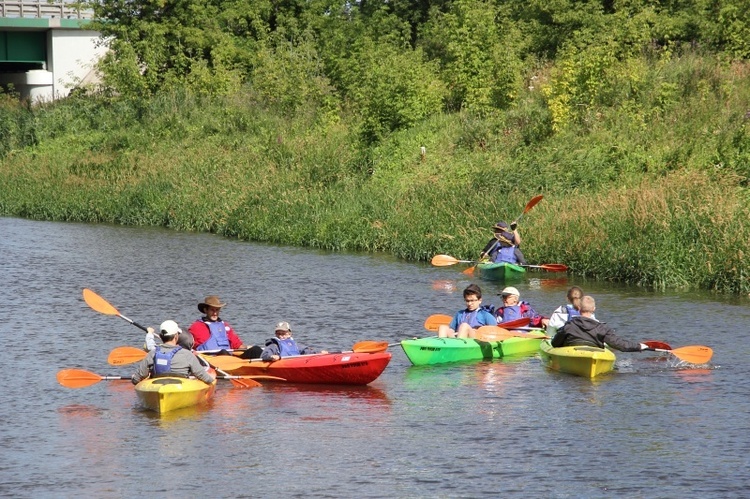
(210,332)
(170,359)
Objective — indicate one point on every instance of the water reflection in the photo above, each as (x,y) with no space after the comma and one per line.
(445,285)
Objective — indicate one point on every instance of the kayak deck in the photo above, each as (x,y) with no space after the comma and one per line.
(167,394)
(348,368)
(584,361)
(429,351)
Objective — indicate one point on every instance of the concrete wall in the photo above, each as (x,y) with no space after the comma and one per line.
(71,59)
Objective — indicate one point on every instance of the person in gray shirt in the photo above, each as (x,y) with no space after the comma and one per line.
(170,359)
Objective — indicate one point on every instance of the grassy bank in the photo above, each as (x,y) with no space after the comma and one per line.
(657,197)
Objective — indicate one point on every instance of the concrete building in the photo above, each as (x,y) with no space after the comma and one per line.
(46,49)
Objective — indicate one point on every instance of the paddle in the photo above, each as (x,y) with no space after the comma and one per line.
(226,362)
(552,267)
(533,202)
(653,345)
(433,322)
(237,381)
(496,333)
(694,354)
(369,346)
(446,260)
(78,378)
(521,322)
(102,306)
(121,356)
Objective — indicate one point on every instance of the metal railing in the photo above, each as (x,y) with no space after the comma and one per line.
(38,9)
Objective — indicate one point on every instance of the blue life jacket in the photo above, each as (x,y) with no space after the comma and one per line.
(287,347)
(572,311)
(471,318)
(511,313)
(506,254)
(163,360)
(218,340)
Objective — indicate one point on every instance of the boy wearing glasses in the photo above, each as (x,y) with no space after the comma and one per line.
(466,321)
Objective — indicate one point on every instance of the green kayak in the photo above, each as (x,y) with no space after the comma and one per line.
(584,361)
(501,271)
(427,351)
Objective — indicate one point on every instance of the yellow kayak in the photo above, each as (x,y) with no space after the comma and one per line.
(166,394)
(585,361)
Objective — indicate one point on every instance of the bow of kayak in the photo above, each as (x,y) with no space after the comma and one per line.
(501,271)
(584,361)
(165,394)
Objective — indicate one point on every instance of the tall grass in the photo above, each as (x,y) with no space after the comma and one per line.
(651,191)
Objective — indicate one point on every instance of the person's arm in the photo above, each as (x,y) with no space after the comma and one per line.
(271,351)
(519,255)
(488,248)
(516,237)
(621,344)
(143,370)
(197,369)
(559,339)
(558,318)
(456,320)
(150,339)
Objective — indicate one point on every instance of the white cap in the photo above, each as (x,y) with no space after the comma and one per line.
(169,329)
(283,326)
(510,290)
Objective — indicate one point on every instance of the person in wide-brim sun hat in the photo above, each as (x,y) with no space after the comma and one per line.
(210,332)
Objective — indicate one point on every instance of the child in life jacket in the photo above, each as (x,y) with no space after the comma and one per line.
(513,308)
(283,345)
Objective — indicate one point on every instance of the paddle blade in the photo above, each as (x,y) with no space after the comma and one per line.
(77,378)
(493,333)
(98,303)
(657,345)
(696,354)
(443,260)
(554,267)
(433,322)
(370,346)
(121,356)
(470,270)
(244,383)
(522,322)
(533,202)
(225,362)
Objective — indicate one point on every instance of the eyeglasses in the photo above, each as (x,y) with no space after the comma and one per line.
(471,300)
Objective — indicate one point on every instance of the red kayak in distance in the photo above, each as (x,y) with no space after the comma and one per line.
(348,368)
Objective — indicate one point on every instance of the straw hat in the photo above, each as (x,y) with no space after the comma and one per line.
(210,301)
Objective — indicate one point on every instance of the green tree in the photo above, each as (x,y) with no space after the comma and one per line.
(479,54)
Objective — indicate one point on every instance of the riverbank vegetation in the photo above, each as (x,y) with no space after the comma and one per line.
(306,127)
